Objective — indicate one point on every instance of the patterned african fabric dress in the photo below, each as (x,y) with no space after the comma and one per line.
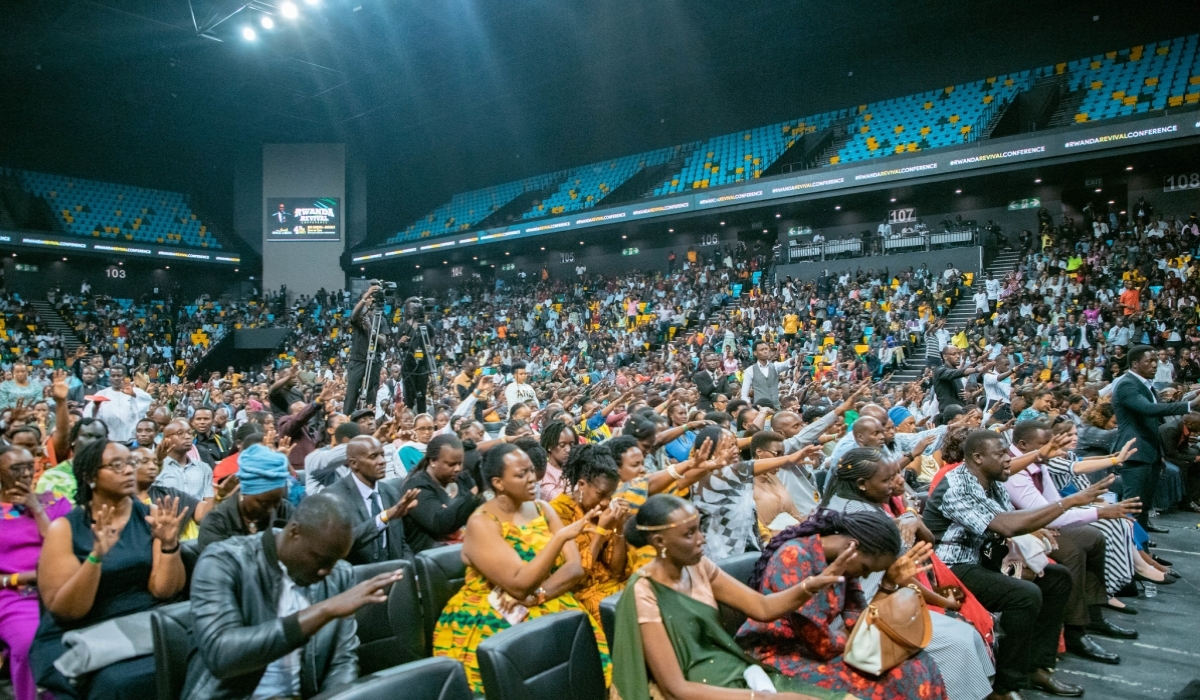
(598,582)
(635,492)
(469,618)
(808,644)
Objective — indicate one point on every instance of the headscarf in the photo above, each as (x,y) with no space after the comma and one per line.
(261,469)
(899,414)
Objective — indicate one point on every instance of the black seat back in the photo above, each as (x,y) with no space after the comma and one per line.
(171,629)
(550,658)
(440,573)
(608,617)
(428,679)
(739,567)
(390,633)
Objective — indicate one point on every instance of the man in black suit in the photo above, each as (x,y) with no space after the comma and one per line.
(710,381)
(946,385)
(376,508)
(1139,416)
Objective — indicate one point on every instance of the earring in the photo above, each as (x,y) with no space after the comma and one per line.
(91,485)
(662,553)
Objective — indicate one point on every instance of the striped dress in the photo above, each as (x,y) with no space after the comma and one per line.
(469,618)
(1118,533)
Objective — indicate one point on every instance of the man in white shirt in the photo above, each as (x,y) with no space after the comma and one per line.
(763,375)
(125,404)
(518,391)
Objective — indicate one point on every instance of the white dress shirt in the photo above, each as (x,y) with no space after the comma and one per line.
(282,677)
(368,495)
(122,412)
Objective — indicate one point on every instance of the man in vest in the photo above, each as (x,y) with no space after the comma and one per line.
(762,377)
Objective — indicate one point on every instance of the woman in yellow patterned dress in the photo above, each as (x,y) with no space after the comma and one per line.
(591,477)
(519,555)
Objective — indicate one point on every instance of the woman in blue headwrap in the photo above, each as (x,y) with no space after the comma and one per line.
(259,502)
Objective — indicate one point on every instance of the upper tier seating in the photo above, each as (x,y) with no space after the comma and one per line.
(118,212)
(741,156)
(589,184)
(1139,79)
(928,120)
(469,208)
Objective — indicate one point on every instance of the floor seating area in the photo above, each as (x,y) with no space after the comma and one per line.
(107,210)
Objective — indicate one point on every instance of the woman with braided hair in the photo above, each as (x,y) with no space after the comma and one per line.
(808,643)
(591,477)
(668,636)
(865,482)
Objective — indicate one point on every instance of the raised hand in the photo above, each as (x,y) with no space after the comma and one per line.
(1127,451)
(104,533)
(575,529)
(405,504)
(834,573)
(1120,509)
(1091,493)
(59,389)
(615,514)
(804,453)
(285,445)
(227,486)
(164,521)
(911,563)
(373,590)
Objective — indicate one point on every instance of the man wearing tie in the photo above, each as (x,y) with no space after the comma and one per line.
(710,381)
(376,507)
(1139,415)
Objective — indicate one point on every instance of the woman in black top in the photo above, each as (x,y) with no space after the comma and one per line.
(447,495)
(109,557)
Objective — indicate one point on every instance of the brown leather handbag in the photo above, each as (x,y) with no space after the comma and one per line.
(893,628)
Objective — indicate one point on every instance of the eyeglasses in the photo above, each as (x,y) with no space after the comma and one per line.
(119,465)
(423,428)
(141,460)
(773,453)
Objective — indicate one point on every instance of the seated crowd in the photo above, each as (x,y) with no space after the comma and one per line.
(754,461)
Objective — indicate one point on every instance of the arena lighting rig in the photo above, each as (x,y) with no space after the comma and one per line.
(220,19)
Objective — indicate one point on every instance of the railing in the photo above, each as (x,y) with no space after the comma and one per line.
(853,247)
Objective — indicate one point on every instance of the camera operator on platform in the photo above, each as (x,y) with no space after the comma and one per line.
(360,343)
(414,361)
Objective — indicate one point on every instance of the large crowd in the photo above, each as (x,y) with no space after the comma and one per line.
(612,444)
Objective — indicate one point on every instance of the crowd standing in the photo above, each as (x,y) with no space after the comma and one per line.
(594,436)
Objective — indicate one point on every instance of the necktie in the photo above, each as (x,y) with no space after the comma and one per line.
(376,509)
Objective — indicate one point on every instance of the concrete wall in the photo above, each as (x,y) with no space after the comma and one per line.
(303,170)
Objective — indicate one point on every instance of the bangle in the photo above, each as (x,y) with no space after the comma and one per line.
(603,531)
(14,581)
(1112,460)
(541,595)
(383,517)
(93,559)
(804,586)
(1060,505)
(172,550)
(674,472)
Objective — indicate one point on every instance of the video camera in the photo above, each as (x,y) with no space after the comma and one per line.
(386,291)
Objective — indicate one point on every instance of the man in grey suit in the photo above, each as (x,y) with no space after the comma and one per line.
(1139,416)
(376,508)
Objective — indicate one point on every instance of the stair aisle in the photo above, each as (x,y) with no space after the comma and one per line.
(55,322)
(960,315)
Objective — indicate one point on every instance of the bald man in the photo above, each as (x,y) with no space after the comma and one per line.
(376,507)
(894,446)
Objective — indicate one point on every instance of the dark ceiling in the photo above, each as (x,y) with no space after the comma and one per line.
(440,96)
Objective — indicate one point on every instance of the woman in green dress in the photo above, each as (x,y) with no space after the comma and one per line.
(668,638)
(522,563)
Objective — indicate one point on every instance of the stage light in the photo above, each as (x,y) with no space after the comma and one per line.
(670,230)
(1098,189)
(1038,180)
(168,267)
(722,223)
(622,237)
(267,22)
(64,259)
(543,247)
(764,230)
(778,215)
(289,10)
(249,34)
(581,243)
(444,262)
(838,208)
(506,252)
(893,199)
(1111,202)
(1129,167)
(121,263)
(955,192)
(362,269)
(235,269)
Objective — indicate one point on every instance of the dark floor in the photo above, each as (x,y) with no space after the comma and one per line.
(1166,657)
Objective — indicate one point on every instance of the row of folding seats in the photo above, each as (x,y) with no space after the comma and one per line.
(1139,79)
(119,212)
(588,184)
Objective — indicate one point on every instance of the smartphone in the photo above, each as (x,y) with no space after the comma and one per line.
(489,371)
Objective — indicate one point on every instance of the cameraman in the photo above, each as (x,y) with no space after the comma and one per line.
(360,342)
(414,365)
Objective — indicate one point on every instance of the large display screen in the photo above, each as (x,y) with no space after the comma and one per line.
(304,219)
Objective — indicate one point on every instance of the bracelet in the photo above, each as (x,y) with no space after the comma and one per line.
(671,470)
(1060,505)
(1112,460)
(172,550)
(603,531)
(541,595)
(804,586)
(383,517)
(93,559)
(14,581)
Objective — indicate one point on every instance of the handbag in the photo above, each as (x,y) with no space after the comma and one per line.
(892,629)
(1027,557)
